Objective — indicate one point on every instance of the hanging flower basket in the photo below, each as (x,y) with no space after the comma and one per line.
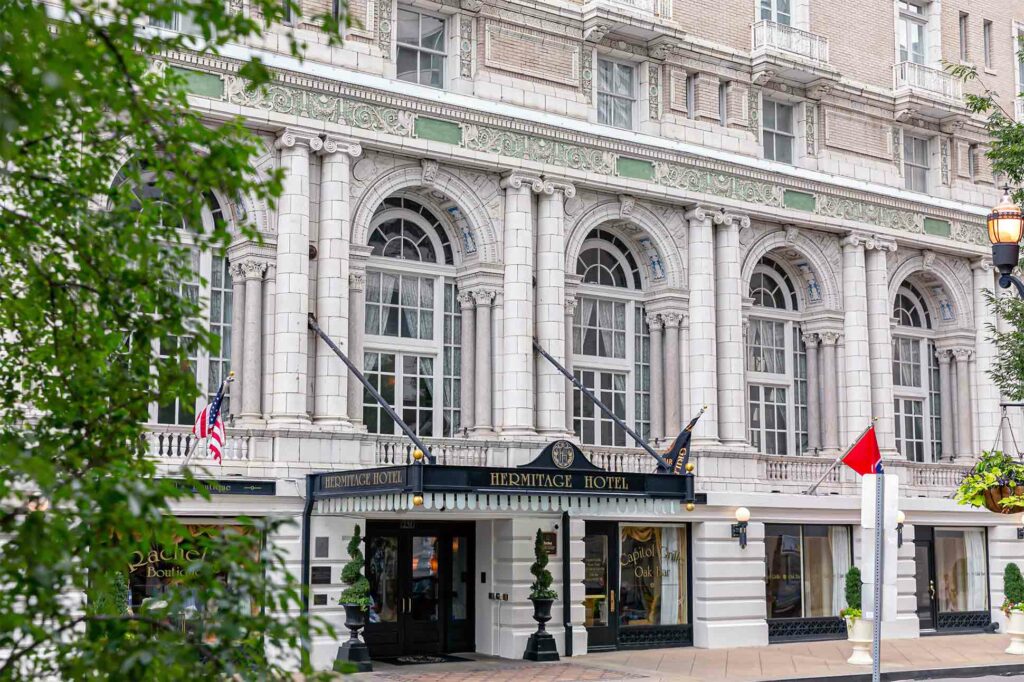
(996,483)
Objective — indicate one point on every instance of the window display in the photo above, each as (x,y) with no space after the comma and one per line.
(652,575)
(961,569)
(806,569)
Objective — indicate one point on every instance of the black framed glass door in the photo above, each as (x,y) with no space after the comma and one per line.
(421,594)
(601,580)
(924,562)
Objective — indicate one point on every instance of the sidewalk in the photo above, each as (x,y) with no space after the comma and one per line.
(807,661)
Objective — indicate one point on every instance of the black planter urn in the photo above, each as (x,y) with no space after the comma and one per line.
(354,652)
(541,646)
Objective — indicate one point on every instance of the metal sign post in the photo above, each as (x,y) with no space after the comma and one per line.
(876,635)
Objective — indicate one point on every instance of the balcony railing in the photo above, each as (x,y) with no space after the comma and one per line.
(173,444)
(933,81)
(790,40)
(660,8)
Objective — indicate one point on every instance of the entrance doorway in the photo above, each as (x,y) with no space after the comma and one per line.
(420,576)
(952,578)
(924,560)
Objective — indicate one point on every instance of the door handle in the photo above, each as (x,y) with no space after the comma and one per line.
(611,597)
(931,588)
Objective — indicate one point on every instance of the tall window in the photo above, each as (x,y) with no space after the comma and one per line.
(421,49)
(616,93)
(805,569)
(911,34)
(1019,45)
(611,347)
(723,102)
(777,131)
(986,34)
(964,52)
(776,364)
(915,379)
(412,322)
(776,10)
(915,163)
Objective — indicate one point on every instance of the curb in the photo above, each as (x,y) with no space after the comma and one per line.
(999,670)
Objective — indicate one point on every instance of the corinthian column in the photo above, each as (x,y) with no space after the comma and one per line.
(330,390)
(550,326)
(856,347)
(654,323)
(673,423)
(356,331)
(517,306)
(987,397)
(252,351)
(468,366)
(813,414)
(291,334)
(830,392)
(237,333)
(484,423)
(946,398)
(880,343)
(964,432)
(729,328)
(702,352)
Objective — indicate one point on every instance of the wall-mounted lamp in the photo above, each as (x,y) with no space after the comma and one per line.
(739,529)
(900,518)
(1020,529)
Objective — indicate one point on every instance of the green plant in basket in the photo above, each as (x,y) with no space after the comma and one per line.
(994,470)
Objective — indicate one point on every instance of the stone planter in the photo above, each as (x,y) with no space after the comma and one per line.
(1015,628)
(541,646)
(354,651)
(859,631)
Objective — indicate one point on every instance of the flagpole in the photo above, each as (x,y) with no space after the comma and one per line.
(810,491)
(876,634)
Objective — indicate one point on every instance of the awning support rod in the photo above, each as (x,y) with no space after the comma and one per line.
(662,462)
(372,391)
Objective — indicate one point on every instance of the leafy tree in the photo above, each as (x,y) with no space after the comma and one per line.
(92,255)
(853,594)
(358,587)
(541,587)
(1013,588)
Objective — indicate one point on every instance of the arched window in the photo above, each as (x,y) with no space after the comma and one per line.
(915,372)
(611,344)
(776,364)
(209,286)
(413,321)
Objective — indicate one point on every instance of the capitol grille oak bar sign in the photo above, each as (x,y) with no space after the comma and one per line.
(560,469)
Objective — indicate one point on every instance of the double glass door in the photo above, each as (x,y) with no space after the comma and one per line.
(420,588)
(952,578)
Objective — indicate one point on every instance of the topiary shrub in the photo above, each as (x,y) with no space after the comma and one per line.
(1013,589)
(853,595)
(358,591)
(541,587)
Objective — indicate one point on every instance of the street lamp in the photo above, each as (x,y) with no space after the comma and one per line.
(1005,225)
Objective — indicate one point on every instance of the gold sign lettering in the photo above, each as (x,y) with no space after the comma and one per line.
(364,479)
(538,480)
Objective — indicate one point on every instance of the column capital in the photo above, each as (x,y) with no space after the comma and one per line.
(237,273)
(871,242)
(340,145)
(962,354)
(571,303)
(252,268)
(731,219)
(853,241)
(810,339)
(671,320)
(830,337)
(552,185)
(698,214)
(654,321)
(357,281)
(983,264)
(483,297)
(944,355)
(466,300)
(517,178)
(290,137)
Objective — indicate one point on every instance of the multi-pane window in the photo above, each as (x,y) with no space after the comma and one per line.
(911,34)
(776,10)
(777,131)
(220,328)
(915,163)
(964,52)
(915,374)
(986,35)
(421,49)
(611,344)
(616,93)
(776,364)
(413,322)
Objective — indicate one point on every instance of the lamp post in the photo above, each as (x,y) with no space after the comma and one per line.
(1005,225)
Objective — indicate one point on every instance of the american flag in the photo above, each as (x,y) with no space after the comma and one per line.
(209,425)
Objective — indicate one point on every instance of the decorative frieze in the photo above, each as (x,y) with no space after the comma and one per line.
(719,184)
(466,46)
(384,24)
(754,112)
(654,91)
(531,148)
(871,214)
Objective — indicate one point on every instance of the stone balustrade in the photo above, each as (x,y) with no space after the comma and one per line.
(789,40)
(908,75)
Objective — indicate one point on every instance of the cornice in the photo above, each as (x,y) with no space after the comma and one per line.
(377,111)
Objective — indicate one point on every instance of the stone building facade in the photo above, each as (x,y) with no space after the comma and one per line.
(770,208)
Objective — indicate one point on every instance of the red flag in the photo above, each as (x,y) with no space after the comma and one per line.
(864,457)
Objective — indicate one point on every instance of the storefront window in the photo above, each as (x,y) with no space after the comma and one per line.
(595,580)
(382,573)
(960,567)
(652,577)
(806,569)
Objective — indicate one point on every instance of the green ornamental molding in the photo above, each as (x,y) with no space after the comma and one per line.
(284,98)
(201,83)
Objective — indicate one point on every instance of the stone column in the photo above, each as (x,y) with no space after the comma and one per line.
(830,392)
(964,431)
(987,393)
(291,333)
(813,414)
(570,315)
(356,332)
(856,347)
(550,321)
(517,339)
(237,334)
(252,354)
(880,343)
(468,366)
(269,306)
(673,424)
(654,323)
(330,390)
(729,292)
(946,398)
(703,379)
(484,423)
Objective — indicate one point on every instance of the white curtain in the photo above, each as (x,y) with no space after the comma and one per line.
(839,543)
(606,328)
(974,543)
(670,562)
